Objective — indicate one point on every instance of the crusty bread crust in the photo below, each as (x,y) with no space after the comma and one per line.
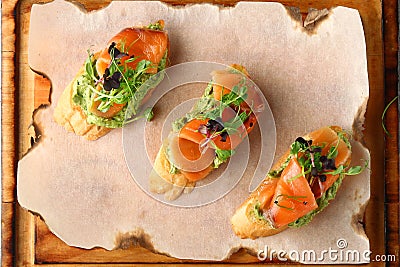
(72,117)
(244,223)
(247,226)
(163,182)
(162,167)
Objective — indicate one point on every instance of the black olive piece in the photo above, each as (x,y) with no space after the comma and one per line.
(110,84)
(305,202)
(107,86)
(322,177)
(116,76)
(323,159)
(309,142)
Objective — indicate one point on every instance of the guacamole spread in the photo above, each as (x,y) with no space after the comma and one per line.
(84,91)
(322,202)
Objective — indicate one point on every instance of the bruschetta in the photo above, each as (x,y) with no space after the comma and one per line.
(96,100)
(299,186)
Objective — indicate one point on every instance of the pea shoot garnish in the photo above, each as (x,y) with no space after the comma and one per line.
(317,166)
(215,126)
(119,82)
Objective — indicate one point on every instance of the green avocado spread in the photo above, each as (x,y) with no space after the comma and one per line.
(201,105)
(84,93)
(83,96)
(315,166)
(206,102)
(322,202)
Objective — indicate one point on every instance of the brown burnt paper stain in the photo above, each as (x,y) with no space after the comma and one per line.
(84,191)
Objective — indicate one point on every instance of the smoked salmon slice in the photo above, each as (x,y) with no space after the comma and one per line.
(190,131)
(196,176)
(224,82)
(293,192)
(143,43)
(213,129)
(344,154)
(265,192)
(293,197)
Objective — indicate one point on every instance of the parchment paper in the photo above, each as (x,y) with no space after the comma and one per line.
(83,189)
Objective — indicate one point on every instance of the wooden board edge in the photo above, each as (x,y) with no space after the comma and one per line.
(14,180)
(7,236)
(8,105)
(392,174)
(8,133)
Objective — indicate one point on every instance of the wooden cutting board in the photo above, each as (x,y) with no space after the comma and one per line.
(26,240)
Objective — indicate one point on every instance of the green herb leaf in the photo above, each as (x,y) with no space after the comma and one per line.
(155,26)
(148,113)
(222,156)
(322,202)
(303,173)
(342,135)
(339,170)
(243,116)
(357,169)
(173,169)
(208,91)
(297,147)
(333,152)
(384,113)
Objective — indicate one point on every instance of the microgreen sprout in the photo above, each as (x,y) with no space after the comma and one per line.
(148,114)
(119,82)
(384,114)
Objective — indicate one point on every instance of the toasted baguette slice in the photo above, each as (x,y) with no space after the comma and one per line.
(142,43)
(72,117)
(245,222)
(162,181)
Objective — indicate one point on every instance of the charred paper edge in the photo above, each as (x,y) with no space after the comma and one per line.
(136,237)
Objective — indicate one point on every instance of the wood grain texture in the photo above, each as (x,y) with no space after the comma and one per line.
(391,19)
(8,148)
(47,244)
(35,245)
(42,87)
(8,102)
(7,222)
